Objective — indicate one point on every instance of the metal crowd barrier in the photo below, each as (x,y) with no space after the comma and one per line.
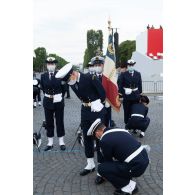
(152,87)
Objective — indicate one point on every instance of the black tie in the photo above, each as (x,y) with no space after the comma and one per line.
(51,75)
(100,78)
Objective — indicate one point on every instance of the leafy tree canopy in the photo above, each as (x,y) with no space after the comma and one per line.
(126,48)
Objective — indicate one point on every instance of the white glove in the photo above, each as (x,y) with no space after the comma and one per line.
(107,105)
(128,91)
(57,98)
(35,82)
(96,106)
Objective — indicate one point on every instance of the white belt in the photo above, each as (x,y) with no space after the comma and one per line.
(135,89)
(134,154)
(51,96)
(140,115)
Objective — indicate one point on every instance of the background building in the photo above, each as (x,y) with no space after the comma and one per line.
(149,54)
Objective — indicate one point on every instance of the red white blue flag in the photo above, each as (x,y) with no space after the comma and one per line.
(109,79)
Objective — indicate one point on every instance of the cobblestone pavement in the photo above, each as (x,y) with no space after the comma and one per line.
(57,172)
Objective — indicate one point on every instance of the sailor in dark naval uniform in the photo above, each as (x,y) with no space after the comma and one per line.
(92,95)
(98,63)
(124,157)
(53,103)
(36,91)
(138,119)
(91,68)
(130,88)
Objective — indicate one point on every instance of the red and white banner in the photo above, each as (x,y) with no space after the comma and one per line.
(155,43)
(150,43)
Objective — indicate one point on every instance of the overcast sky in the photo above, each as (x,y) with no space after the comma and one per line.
(61,25)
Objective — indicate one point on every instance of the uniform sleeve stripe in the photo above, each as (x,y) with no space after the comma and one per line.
(114,130)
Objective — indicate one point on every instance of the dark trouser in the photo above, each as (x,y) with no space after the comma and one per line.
(138,123)
(59,116)
(68,91)
(108,117)
(127,109)
(120,173)
(87,118)
(89,147)
(37,94)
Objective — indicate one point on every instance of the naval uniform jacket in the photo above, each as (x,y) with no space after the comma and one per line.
(118,144)
(89,89)
(139,108)
(51,87)
(127,80)
(138,118)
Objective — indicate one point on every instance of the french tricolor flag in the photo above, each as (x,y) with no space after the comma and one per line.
(109,79)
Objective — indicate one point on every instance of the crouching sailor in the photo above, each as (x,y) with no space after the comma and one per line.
(138,119)
(124,157)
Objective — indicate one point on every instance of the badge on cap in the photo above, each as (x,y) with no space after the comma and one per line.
(131,62)
(51,60)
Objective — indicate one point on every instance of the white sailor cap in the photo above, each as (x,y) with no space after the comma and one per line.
(51,60)
(89,64)
(65,72)
(97,60)
(93,127)
(131,62)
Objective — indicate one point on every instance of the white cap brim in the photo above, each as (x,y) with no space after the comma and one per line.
(93,126)
(63,71)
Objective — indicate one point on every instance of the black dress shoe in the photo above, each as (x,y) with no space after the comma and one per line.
(120,192)
(141,136)
(48,148)
(99,180)
(62,147)
(86,171)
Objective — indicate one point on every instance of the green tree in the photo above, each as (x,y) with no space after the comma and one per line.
(86,57)
(94,45)
(61,61)
(126,49)
(39,59)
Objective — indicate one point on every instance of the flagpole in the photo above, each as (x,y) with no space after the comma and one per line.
(109,26)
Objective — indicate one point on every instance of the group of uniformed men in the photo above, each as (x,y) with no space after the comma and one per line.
(120,156)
